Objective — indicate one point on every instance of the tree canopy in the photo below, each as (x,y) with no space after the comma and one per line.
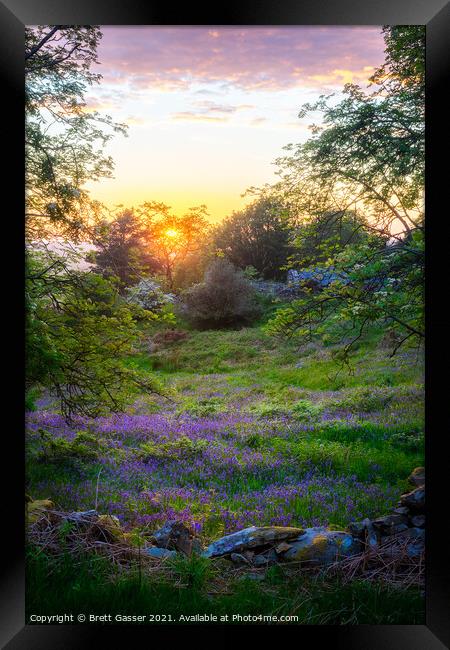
(367,157)
(256,236)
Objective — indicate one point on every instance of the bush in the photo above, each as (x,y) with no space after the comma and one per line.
(364,399)
(200,408)
(304,410)
(148,295)
(225,297)
(83,447)
(182,447)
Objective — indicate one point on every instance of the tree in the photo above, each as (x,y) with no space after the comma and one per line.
(77,326)
(257,236)
(64,143)
(77,330)
(225,297)
(366,156)
(321,238)
(174,239)
(124,248)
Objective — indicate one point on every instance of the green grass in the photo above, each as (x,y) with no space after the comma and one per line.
(91,586)
(293,386)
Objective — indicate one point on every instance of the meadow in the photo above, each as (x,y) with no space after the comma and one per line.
(251,430)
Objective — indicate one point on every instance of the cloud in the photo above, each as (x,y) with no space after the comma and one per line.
(190,116)
(258,120)
(248,58)
(206,106)
(209,111)
(135,121)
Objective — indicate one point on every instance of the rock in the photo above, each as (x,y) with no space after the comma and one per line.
(177,536)
(264,559)
(36,509)
(160,553)
(322,546)
(417,477)
(401,510)
(418,521)
(417,545)
(238,558)
(390,524)
(249,538)
(88,516)
(414,500)
(412,533)
(111,524)
(359,528)
(281,548)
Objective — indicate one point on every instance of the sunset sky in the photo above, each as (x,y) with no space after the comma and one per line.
(210,108)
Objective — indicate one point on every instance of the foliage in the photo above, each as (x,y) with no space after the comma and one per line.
(64,142)
(306,410)
(83,446)
(123,248)
(56,584)
(77,328)
(224,298)
(176,240)
(183,447)
(365,399)
(323,236)
(148,294)
(257,237)
(368,155)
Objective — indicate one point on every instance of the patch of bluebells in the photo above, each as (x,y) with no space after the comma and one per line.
(221,487)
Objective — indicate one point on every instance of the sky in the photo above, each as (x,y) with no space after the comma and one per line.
(209,109)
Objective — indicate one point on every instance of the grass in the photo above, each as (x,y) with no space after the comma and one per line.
(194,586)
(259,431)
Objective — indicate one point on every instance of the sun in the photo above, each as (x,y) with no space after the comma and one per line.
(171,232)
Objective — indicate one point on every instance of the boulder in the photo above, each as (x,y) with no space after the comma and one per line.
(175,535)
(417,544)
(365,531)
(111,524)
(264,559)
(418,521)
(36,509)
(159,553)
(358,528)
(414,500)
(320,546)
(238,558)
(281,548)
(86,517)
(250,538)
(390,524)
(417,477)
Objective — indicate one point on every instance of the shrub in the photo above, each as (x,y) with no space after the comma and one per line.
(200,408)
(365,399)
(225,297)
(179,448)
(84,447)
(268,409)
(305,410)
(148,295)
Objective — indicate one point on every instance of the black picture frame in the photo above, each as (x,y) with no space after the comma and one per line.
(435,14)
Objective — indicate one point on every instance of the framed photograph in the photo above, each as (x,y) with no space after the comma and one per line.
(229,412)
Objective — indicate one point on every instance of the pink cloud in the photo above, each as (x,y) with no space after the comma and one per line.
(267,58)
